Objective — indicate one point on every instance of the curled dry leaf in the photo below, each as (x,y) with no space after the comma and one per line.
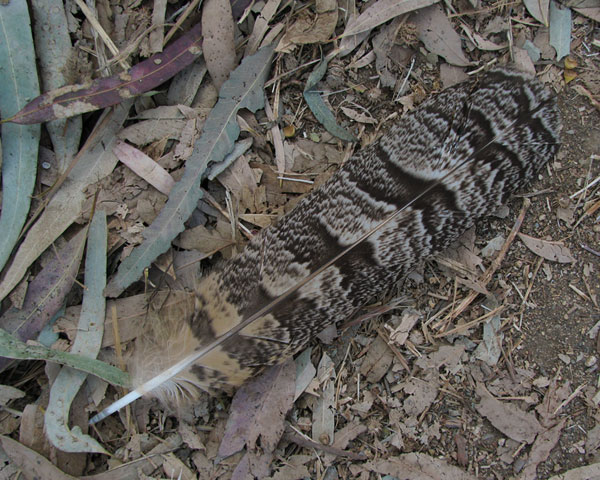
(553,251)
(87,343)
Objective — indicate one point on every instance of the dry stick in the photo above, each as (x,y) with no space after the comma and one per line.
(180,20)
(472,323)
(489,273)
(393,348)
(215,204)
(292,435)
(569,398)
(101,32)
(535,272)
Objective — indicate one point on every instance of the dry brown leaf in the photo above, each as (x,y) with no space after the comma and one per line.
(553,251)
(421,393)
(237,177)
(175,468)
(447,355)
(158,21)
(261,25)
(590,12)
(258,411)
(418,465)
(309,28)
(202,239)
(589,472)
(382,11)
(361,117)
(32,464)
(451,75)
(555,395)
(149,131)
(144,166)
(218,43)
(508,418)
(323,419)
(378,360)
(541,448)
(523,61)
(592,441)
(438,35)
(408,319)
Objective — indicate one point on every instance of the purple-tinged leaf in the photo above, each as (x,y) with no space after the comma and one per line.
(77,99)
(258,410)
(46,293)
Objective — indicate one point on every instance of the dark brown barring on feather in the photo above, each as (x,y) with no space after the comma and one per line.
(455,158)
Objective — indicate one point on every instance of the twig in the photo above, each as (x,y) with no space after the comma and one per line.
(472,323)
(89,15)
(569,398)
(393,348)
(489,273)
(535,272)
(292,435)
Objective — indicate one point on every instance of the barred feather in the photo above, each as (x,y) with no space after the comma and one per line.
(454,159)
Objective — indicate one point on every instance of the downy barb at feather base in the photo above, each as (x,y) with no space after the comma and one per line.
(457,157)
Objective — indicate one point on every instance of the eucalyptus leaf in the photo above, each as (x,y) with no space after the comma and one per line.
(19,142)
(87,343)
(10,347)
(244,89)
(318,107)
(54,53)
(560,30)
(96,161)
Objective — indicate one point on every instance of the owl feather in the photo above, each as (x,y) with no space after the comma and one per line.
(396,203)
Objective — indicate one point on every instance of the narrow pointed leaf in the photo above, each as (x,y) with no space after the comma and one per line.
(538,9)
(64,208)
(87,343)
(54,53)
(19,83)
(244,89)
(104,92)
(318,107)
(10,347)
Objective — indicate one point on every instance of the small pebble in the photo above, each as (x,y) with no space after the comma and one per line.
(591,361)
